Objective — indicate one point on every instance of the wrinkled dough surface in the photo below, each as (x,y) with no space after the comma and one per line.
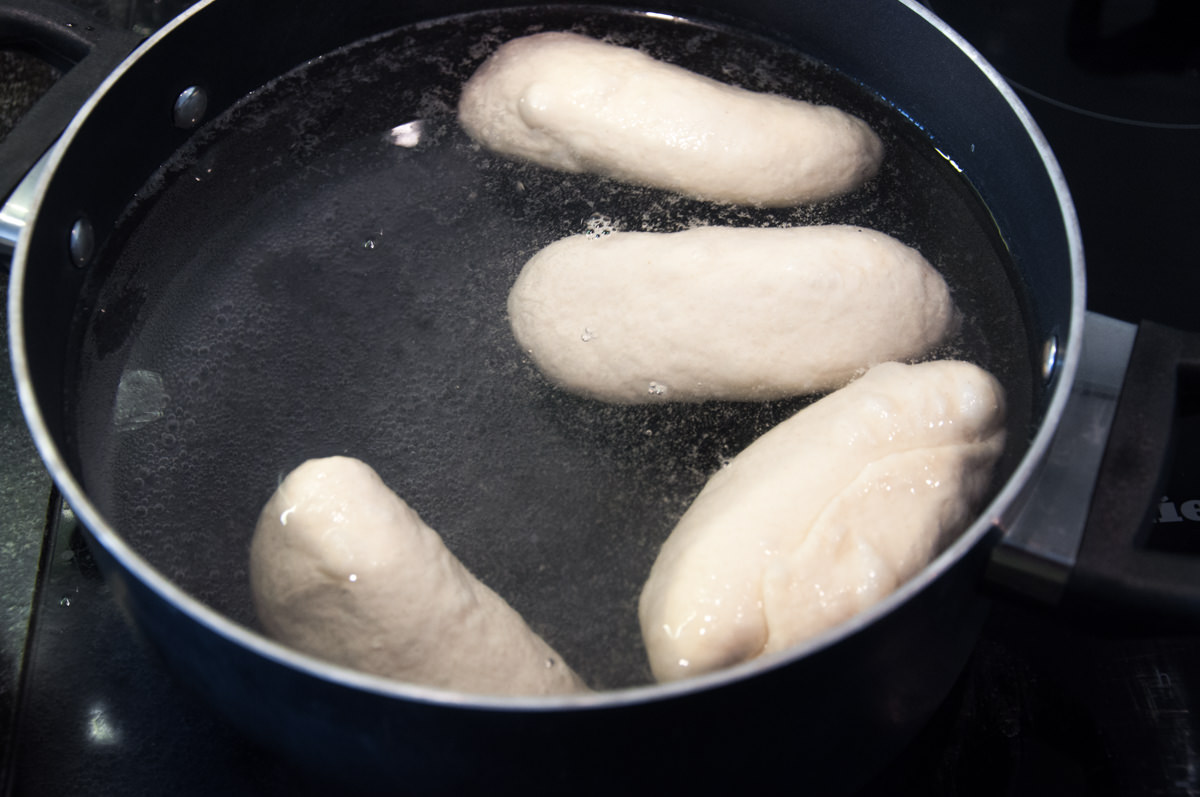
(343,569)
(724,312)
(576,104)
(823,516)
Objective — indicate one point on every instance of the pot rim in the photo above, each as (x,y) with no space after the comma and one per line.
(997,515)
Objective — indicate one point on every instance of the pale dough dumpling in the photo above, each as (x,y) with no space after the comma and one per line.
(576,104)
(724,312)
(343,569)
(822,516)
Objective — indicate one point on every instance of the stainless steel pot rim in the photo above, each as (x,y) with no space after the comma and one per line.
(997,515)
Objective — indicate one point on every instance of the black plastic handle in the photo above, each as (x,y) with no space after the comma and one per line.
(1121,579)
(70,40)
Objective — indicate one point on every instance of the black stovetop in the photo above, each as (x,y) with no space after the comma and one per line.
(1042,709)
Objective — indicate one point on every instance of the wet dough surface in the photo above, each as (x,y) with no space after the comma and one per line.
(343,569)
(725,312)
(577,104)
(823,516)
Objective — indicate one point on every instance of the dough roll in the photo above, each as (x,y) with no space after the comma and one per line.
(343,569)
(576,104)
(823,516)
(725,313)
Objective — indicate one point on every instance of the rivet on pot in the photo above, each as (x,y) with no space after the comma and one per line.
(190,107)
(82,242)
(1049,356)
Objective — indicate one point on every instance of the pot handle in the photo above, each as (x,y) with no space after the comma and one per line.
(85,49)
(1083,540)
(1122,575)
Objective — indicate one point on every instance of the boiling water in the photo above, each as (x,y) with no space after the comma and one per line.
(324,271)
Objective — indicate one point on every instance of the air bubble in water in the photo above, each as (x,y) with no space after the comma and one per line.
(408,134)
(141,398)
(599,225)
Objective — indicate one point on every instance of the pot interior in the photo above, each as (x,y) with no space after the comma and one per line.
(323,269)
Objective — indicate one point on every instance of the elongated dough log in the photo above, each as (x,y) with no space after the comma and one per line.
(345,570)
(576,104)
(823,516)
(725,313)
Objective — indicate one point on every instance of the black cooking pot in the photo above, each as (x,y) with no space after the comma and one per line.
(249,249)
